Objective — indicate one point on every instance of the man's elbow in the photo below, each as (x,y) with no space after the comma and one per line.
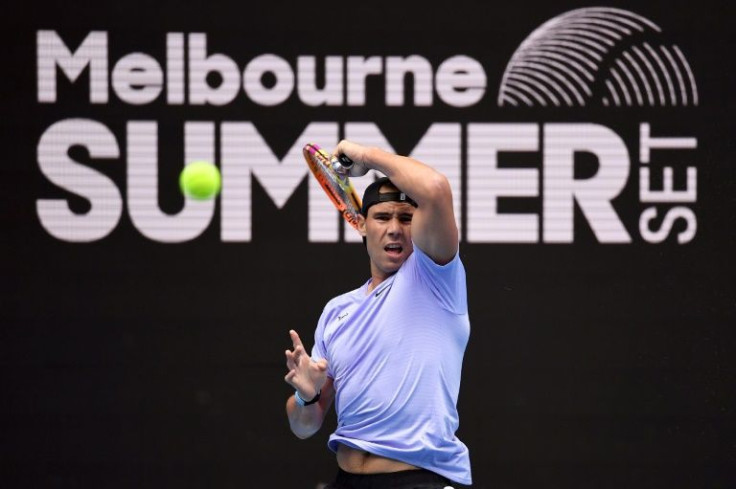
(438,187)
(302,431)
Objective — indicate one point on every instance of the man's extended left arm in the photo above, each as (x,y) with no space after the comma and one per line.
(308,378)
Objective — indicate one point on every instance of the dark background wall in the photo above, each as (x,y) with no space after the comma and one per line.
(130,362)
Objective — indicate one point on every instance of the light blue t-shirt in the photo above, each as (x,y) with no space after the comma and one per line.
(395,355)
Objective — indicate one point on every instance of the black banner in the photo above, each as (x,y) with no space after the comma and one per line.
(590,153)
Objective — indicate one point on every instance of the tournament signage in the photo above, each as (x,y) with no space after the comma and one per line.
(641,178)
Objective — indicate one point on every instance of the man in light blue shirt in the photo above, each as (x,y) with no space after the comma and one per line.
(389,354)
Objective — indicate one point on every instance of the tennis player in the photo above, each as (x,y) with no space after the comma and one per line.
(389,354)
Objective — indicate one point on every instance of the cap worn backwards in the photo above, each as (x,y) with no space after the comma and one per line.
(373,195)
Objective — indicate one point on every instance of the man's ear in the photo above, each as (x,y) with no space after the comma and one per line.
(361,225)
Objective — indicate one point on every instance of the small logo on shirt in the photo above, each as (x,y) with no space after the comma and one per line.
(381,291)
(340,317)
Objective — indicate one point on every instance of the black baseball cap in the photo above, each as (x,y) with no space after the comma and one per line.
(373,195)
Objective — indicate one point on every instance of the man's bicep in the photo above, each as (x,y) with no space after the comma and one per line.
(435,232)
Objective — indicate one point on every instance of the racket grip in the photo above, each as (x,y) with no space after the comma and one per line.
(341,165)
(345,161)
(345,166)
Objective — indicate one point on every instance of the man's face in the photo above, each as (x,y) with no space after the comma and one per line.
(387,230)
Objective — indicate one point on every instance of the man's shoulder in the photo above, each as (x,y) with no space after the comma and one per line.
(345,297)
(421,259)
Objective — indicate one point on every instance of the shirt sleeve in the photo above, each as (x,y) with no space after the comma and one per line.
(446,282)
(319,350)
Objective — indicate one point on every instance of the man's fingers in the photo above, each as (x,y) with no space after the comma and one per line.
(298,351)
(352,150)
(296,341)
(290,364)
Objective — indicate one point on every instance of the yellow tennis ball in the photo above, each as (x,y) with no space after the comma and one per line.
(200,180)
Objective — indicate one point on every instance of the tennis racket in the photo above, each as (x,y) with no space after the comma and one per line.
(337,187)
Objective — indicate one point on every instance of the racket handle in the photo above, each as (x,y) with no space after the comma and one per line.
(345,166)
(345,161)
(341,165)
